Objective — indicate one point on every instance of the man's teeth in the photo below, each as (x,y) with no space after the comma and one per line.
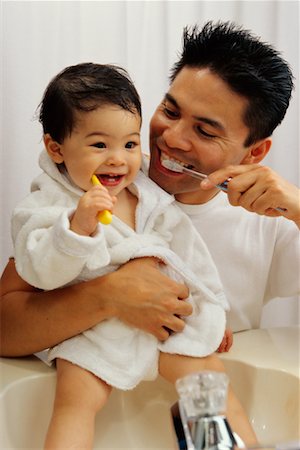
(165,157)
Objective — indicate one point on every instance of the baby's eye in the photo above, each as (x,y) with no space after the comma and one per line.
(99,145)
(130,144)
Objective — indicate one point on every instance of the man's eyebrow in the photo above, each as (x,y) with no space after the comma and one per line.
(172,100)
(211,122)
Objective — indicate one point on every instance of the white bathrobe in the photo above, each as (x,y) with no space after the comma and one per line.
(49,255)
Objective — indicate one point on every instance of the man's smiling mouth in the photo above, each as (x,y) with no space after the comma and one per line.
(165,157)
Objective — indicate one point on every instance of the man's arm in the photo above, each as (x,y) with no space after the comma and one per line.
(258,189)
(138,294)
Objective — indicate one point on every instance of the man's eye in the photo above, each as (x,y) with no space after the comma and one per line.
(204,133)
(169,112)
(99,145)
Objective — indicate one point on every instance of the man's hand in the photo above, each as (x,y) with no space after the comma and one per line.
(258,189)
(143,297)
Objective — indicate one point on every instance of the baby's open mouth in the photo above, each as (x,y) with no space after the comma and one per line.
(109,179)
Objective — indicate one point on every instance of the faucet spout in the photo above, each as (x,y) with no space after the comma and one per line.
(198,419)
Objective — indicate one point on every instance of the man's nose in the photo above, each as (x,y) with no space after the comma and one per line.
(177,136)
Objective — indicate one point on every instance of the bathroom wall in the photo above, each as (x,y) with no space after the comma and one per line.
(39,38)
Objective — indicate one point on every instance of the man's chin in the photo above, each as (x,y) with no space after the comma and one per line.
(161,180)
(162,176)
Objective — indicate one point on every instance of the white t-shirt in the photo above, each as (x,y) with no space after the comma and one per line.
(257,257)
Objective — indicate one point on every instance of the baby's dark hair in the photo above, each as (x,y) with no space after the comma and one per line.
(84,87)
(250,67)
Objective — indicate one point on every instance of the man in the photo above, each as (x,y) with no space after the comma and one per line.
(228,93)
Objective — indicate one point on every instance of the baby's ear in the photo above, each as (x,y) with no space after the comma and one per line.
(53,149)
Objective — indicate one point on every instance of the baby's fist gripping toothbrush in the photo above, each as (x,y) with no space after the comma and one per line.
(104,216)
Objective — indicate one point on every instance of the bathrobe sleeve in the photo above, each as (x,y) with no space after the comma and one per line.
(205,329)
(196,259)
(187,260)
(47,253)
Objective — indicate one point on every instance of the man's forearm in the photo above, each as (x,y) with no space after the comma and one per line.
(137,294)
(34,320)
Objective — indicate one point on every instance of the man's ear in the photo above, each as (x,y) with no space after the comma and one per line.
(257,152)
(53,149)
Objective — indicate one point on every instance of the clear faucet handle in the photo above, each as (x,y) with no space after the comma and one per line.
(203,393)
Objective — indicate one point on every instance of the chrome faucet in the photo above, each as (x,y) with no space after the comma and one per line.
(198,416)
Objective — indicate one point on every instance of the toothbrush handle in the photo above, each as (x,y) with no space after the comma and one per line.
(281,209)
(104,216)
(224,187)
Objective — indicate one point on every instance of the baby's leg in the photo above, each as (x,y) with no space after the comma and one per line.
(79,395)
(173,367)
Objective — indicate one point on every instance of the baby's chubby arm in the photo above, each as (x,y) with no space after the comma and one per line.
(53,242)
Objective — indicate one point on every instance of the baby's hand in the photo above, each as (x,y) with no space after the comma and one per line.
(85,219)
(226,341)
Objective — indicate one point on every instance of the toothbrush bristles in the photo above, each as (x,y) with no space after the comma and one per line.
(176,167)
(172,165)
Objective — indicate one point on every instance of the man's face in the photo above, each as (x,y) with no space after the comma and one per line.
(200,124)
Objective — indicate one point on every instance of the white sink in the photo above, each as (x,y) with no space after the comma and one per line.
(263,366)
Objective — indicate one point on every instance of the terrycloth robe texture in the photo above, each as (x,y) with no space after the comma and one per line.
(48,255)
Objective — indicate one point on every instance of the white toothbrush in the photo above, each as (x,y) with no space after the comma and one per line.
(176,167)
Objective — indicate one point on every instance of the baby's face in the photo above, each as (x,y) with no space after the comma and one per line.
(105,142)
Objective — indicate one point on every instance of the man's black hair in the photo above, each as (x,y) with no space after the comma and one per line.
(250,67)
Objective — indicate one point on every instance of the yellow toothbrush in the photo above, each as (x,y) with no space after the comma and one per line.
(104,216)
